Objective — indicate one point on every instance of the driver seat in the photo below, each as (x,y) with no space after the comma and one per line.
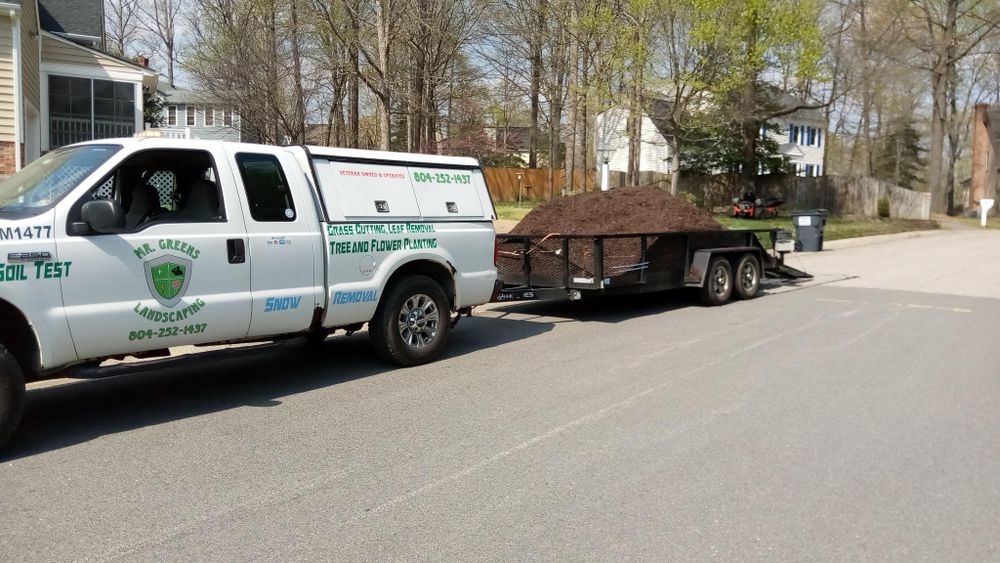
(145,204)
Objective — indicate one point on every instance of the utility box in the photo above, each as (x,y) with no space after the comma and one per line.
(809,227)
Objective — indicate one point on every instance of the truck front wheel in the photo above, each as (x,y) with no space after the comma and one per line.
(718,283)
(11,394)
(411,324)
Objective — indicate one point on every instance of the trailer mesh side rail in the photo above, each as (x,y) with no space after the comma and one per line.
(643,262)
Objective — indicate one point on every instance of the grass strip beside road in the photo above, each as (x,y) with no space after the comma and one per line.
(836,227)
(992,222)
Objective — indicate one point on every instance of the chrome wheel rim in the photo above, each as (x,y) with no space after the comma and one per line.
(418,321)
(748,276)
(720,281)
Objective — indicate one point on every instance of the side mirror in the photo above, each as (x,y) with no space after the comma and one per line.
(104,216)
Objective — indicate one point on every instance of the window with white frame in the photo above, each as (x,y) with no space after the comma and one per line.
(171,116)
(85,109)
(190,116)
(209,117)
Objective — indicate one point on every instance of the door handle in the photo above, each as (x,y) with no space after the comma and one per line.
(237,250)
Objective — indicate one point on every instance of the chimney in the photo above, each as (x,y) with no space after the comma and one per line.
(980,155)
(142,60)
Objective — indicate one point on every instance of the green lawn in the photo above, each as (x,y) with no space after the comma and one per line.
(512,211)
(836,227)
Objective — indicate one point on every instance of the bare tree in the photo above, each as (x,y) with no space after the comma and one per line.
(121,26)
(947,31)
(160,19)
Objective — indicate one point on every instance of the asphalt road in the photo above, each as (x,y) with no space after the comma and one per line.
(854,417)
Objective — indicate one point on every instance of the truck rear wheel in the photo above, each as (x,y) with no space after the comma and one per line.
(412,322)
(718,283)
(747,277)
(11,395)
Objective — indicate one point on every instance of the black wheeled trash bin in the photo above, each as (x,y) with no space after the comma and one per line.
(809,227)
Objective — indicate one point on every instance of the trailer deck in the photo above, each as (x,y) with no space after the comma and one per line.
(554,266)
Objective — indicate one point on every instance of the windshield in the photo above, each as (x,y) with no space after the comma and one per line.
(46,180)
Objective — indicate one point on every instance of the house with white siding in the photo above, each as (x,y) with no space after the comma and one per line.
(189,114)
(56,86)
(612,140)
(800,136)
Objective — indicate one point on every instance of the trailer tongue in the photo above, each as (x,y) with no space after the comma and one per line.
(723,264)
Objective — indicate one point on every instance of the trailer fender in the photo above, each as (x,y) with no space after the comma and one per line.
(698,267)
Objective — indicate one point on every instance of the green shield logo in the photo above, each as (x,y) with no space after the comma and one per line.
(168,278)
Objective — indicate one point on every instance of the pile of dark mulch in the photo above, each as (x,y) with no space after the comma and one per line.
(641,210)
(618,211)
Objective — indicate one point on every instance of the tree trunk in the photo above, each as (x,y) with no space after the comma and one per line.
(299,136)
(384,109)
(940,73)
(573,98)
(675,164)
(867,95)
(749,130)
(954,149)
(635,132)
(939,79)
(536,84)
(353,86)
(534,94)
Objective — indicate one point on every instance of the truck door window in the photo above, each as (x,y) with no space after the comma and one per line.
(266,187)
(162,186)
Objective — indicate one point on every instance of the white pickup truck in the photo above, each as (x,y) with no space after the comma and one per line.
(131,247)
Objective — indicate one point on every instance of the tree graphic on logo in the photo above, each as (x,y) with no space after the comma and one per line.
(168,279)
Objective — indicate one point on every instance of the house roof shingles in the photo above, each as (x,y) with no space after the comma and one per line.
(76,17)
(182,96)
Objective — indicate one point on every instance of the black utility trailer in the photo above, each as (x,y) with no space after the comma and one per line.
(723,264)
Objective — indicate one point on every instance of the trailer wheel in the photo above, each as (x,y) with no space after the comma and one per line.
(11,395)
(747,277)
(719,282)
(412,323)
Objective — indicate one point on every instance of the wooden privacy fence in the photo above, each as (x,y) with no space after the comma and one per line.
(840,195)
(533,183)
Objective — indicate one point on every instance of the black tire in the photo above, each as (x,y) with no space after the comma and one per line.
(11,395)
(718,287)
(315,340)
(403,331)
(747,277)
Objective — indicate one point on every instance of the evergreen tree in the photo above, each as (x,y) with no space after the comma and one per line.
(900,160)
(721,150)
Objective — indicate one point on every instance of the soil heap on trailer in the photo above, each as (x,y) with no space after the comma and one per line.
(620,211)
(630,240)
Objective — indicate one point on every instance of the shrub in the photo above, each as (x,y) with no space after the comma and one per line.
(883,207)
(691,198)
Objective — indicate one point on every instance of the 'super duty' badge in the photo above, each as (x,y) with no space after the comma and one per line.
(168,278)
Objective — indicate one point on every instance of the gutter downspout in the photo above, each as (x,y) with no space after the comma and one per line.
(18,95)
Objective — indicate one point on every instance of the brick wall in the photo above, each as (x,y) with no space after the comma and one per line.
(8,164)
(7,167)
